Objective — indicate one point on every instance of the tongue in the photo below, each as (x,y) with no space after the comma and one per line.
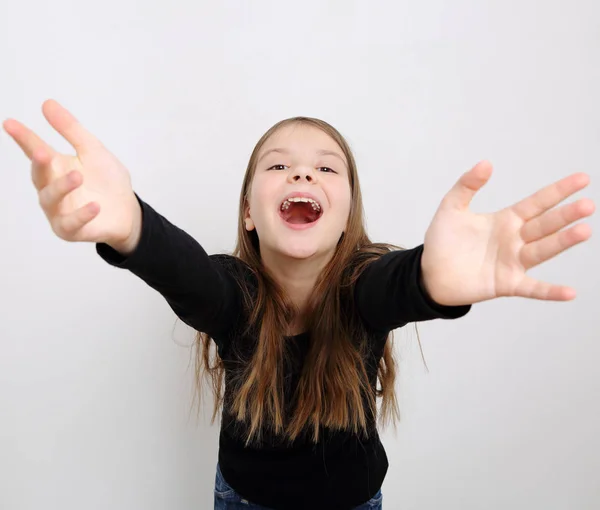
(300,212)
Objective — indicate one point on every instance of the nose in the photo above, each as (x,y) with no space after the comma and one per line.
(302,173)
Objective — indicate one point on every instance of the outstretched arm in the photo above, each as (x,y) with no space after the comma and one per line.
(88,197)
(467,257)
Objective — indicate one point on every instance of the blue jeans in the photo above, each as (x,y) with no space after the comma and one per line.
(227,499)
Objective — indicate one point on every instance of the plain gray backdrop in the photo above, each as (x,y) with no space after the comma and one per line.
(95,373)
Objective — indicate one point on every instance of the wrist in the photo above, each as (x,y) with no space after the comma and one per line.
(425,287)
(128,245)
(425,282)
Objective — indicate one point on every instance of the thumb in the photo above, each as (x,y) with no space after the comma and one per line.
(461,194)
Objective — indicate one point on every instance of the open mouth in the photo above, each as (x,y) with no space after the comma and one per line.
(300,210)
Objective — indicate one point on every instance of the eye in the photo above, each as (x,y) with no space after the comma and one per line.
(273,167)
(327,169)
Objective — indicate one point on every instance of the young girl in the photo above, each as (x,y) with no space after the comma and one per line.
(301,313)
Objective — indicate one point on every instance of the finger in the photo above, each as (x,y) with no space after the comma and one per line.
(41,168)
(51,196)
(462,193)
(67,226)
(550,196)
(535,289)
(68,126)
(548,247)
(554,220)
(26,138)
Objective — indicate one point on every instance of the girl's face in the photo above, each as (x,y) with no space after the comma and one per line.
(299,159)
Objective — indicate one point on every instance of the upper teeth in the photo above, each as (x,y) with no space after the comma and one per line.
(286,203)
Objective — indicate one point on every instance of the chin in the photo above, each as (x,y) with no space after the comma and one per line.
(298,250)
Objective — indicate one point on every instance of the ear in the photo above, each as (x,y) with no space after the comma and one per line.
(247,219)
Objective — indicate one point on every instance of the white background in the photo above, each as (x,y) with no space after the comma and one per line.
(95,373)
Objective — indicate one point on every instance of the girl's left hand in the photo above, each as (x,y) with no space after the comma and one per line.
(469,257)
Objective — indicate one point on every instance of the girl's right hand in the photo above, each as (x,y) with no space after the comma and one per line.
(86,197)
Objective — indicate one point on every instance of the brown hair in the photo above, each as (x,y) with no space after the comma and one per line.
(334,390)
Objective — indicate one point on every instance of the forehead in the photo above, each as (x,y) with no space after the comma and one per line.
(301,138)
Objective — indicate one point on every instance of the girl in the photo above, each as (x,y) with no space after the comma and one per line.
(300,314)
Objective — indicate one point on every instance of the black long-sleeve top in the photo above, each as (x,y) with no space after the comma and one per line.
(342,470)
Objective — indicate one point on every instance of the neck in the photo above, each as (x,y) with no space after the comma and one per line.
(297,277)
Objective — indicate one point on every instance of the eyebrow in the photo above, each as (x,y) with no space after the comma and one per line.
(320,152)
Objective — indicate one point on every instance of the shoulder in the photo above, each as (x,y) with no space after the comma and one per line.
(365,257)
(237,268)
(229,262)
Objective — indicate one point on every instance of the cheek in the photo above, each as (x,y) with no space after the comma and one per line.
(261,199)
(344,199)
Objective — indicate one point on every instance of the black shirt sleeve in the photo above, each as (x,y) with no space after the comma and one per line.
(390,293)
(199,288)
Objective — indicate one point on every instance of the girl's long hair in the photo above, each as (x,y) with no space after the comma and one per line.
(334,390)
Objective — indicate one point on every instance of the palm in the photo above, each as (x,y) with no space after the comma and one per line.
(471,257)
(106,183)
